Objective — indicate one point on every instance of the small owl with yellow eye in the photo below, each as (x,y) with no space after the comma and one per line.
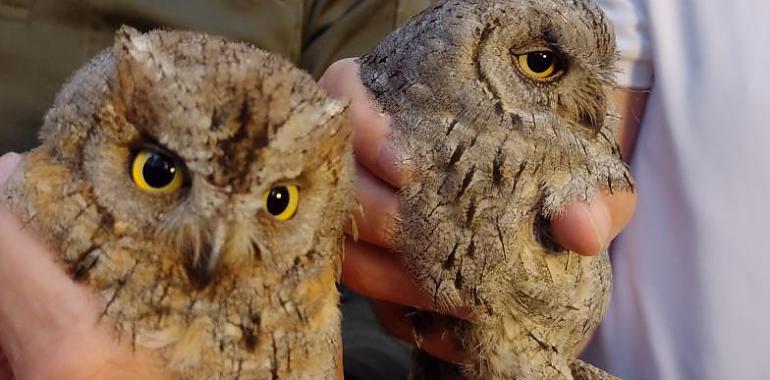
(198,187)
(502,108)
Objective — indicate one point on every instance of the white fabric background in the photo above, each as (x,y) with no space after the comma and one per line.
(692,289)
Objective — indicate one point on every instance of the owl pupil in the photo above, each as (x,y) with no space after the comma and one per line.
(159,170)
(278,200)
(540,61)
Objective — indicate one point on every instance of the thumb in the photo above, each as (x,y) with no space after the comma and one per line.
(588,228)
(39,304)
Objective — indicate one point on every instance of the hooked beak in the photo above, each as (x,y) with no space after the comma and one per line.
(202,256)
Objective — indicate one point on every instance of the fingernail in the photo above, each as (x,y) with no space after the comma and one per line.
(8,162)
(599,216)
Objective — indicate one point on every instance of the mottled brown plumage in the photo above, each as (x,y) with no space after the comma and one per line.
(497,151)
(205,275)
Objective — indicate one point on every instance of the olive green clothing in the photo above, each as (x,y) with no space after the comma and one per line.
(43,41)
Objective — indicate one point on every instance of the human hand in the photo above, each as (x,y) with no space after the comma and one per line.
(48,324)
(370,268)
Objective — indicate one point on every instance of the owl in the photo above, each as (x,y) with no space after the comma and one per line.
(501,110)
(198,187)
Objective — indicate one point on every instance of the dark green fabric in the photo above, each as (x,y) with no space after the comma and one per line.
(369,352)
(43,41)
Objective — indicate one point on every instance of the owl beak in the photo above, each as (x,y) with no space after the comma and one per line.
(203,258)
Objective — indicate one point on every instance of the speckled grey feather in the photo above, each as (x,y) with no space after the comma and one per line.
(496,154)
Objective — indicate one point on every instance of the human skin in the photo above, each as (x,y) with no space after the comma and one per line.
(48,324)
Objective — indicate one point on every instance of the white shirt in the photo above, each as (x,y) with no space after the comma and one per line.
(691,298)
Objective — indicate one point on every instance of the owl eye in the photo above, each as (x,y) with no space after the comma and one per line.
(282,201)
(155,172)
(542,65)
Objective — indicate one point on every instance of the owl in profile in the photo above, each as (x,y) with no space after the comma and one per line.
(501,110)
(198,187)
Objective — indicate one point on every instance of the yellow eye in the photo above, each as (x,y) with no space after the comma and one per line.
(282,201)
(539,65)
(155,172)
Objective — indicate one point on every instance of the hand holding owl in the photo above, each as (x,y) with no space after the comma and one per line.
(47,327)
(371,269)
(364,262)
(198,329)
(502,114)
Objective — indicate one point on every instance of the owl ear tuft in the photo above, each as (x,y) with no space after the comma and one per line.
(136,59)
(133,50)
(127,43)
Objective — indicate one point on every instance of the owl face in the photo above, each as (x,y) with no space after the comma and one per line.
(559,52)
(546,65)
(222,154)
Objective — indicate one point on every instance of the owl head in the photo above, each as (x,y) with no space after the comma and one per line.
(218,153)
(553,57)
(546,65)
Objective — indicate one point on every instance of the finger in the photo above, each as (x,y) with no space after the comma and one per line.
(588,228)
(8,162)
(377,273)
(38,302)
(371,128)
(438,340)
(380,208)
